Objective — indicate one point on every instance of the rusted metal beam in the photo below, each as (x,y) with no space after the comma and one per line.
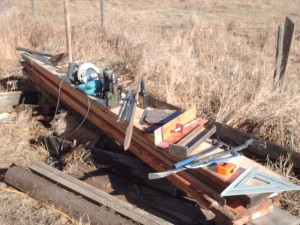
(203,190)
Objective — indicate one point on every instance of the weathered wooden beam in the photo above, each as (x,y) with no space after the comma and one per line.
(73,205)
(130,167)
(285,46)
(41,53)
(172,209)
(94,194)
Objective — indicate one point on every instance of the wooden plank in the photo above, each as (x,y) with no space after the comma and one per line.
(45,191)
(9,99)
(131,168)
(289,27)
(172,209)
(191,142)
(95,195)
(276,77)
(164,131)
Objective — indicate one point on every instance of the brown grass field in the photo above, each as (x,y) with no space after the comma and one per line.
(216,55)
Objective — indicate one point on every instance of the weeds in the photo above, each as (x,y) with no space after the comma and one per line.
(289,200)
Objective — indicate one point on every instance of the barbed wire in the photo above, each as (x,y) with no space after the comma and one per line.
(162,26)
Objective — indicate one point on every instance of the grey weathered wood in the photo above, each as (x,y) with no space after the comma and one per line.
(131,168)
(170,208)
(191,142)
(41,53)
(102,14)
(278,56)
(95,195)
(68,29)
(9,99)
(73,205)
(33,7)
(289,27)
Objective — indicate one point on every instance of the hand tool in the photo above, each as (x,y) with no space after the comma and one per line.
(207,159)
(215,146)
(126,108)
(267,184)
(159,175)
(129,129)
(225,168)
(253,142)
(143,96)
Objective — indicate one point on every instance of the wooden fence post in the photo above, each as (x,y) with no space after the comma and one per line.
(33,7)
(68,30)
(102,14)
(284,47)
(278,56)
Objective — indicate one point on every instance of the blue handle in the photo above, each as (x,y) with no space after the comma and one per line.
(194,157)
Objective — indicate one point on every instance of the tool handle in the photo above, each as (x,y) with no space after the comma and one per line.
(196,156)
(129,129)
(224,153)
(199,165)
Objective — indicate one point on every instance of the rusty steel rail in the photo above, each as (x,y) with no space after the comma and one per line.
(142,145)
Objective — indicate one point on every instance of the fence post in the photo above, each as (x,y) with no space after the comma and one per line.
(33,7)
(102,14)
(283,47)
(278,56)
(68,31)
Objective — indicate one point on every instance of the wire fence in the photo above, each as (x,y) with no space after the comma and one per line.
(101,11)
(37,7)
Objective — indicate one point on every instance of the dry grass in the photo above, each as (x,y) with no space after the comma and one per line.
(289,200)
(17,208)
(190,52)
(203,57)
(14,137)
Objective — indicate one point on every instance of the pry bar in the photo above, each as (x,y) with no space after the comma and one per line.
(205,161)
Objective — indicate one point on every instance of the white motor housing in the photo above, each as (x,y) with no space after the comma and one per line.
(87,72)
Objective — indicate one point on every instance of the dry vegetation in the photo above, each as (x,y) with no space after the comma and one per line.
(190,53)
(216,55)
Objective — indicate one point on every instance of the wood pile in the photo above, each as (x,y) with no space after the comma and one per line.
(203,184)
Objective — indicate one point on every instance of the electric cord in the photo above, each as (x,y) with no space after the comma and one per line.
(60,149)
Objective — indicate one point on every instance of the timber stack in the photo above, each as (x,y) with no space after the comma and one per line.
(178,145)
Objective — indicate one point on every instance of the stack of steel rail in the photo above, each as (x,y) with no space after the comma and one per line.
(199,184)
